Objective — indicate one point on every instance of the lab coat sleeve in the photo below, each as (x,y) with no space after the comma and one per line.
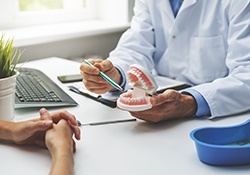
(230,95)
(136,45)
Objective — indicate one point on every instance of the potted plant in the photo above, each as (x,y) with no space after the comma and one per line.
(9,57)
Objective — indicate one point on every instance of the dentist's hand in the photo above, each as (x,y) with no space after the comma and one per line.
(171,104)
(95,83)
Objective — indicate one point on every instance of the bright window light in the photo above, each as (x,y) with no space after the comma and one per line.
(16,14)
(23,13)
(45,5)
(35,5)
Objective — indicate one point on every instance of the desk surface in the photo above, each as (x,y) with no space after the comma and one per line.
(124,148)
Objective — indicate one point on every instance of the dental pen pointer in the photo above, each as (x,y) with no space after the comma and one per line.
(105,77)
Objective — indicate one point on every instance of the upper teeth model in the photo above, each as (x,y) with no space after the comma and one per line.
(142,83)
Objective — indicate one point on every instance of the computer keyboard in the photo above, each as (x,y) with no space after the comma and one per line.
(35,89)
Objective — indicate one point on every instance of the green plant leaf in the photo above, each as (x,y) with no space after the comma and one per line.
(9,57)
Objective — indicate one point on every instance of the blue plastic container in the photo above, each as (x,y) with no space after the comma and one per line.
(223,145)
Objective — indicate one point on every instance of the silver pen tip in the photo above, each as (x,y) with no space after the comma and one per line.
(119,88)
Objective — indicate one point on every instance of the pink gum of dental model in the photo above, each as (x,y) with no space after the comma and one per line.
(142,83)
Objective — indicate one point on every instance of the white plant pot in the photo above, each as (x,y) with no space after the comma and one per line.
(7,97)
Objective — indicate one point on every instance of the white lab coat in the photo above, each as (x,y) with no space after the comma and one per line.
(206,45)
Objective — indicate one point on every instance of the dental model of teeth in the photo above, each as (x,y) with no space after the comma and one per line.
(142,84)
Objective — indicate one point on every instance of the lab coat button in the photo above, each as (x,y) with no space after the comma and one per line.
(173,36)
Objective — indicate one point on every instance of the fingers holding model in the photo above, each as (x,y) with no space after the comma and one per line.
(93,81)
(170,104)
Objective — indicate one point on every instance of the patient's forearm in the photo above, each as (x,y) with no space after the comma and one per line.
(62,163)
(6,130)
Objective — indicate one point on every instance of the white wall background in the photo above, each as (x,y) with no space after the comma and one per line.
(73,48)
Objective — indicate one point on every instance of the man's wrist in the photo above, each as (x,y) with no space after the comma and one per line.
(190,105)
(123,79)
(202,105)
(6,132)
(123,76)
(65,151)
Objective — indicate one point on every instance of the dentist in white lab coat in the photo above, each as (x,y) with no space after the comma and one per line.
(205,44)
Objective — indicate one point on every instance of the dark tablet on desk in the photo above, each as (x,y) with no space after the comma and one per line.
(178,87)
(165,83)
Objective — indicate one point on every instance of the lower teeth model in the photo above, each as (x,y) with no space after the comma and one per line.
(142,83)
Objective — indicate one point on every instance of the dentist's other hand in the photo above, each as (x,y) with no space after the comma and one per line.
(171,104)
